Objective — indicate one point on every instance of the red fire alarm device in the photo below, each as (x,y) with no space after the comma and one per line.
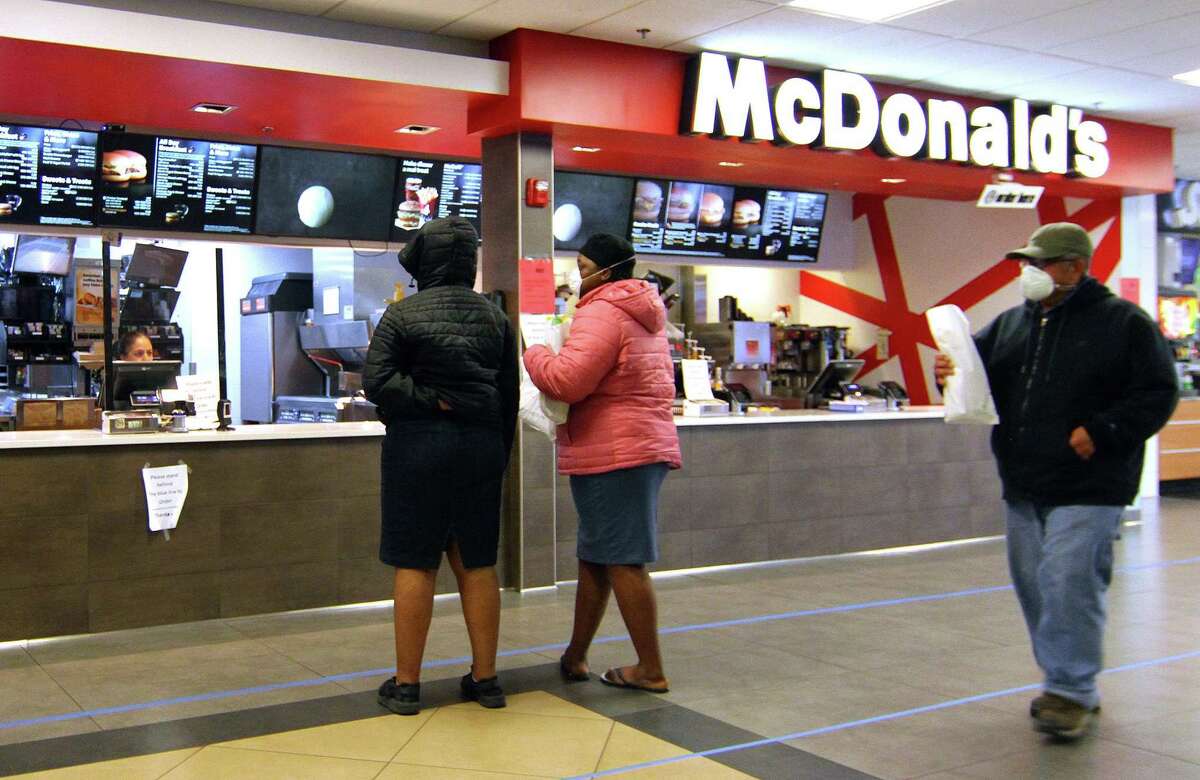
(537,193)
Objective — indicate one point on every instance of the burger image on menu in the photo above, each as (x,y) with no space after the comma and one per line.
(123,166)
(9,204)
(419,205)
(746,215)
(682,205)
(712,210)
(647,202)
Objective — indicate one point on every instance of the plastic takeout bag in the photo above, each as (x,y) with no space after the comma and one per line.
(537,409)
(967,396)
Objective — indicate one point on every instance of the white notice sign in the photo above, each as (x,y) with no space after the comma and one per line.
(205,391)
(696,384)
(166,489)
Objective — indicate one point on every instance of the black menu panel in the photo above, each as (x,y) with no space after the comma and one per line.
(308,193)
(47,176)
(586,203)
(177,184)
(434,189)
(718,220)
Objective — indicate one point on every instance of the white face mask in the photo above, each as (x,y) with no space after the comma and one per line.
(575,280)
(1036,284)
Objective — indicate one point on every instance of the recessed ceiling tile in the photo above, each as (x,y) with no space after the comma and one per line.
(785,35)
(670,21)
(877,49)
(1092,20)
(992,76)
(311,7)
(1165,64)
(417,15)
(1166,35)
(967,17)
(559,16)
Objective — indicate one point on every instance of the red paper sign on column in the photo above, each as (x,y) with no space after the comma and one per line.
(1131,289)
(537,285)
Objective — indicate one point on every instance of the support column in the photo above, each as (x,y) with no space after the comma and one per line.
(511,231)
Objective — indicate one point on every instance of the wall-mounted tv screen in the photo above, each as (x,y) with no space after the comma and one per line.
(721,220)
(163,183)
(43,255)
(435,189)
(314,194)
(587,203)
(47,176)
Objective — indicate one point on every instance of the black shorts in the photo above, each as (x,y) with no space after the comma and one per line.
(440,482)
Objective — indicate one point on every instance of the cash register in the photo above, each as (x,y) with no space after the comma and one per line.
(143,391)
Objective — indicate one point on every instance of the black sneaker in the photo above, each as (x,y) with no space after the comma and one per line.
(1064,719)
(400,698)
(487,692)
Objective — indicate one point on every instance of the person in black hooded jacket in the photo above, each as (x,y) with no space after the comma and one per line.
(442,370)
(1081,378)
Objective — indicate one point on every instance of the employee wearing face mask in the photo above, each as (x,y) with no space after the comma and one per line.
(1081,378)
(617,445)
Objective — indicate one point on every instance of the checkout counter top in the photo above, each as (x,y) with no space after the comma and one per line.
(250,433)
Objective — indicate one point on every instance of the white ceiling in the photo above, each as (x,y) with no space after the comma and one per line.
(1111,57)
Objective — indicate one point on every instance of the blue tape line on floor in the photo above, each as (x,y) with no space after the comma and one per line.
(308,683)
(852,724)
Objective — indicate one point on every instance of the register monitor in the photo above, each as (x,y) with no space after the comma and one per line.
(828,383)
(134,378)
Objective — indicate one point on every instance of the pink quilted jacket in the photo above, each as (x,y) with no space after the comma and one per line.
(615,372)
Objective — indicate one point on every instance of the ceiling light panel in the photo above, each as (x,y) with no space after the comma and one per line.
(868,11)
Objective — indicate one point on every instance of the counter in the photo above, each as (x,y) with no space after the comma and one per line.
(283,517)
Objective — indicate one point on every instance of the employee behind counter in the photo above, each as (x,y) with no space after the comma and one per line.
(135,346)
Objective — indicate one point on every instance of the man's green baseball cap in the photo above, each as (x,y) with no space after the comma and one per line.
(1055,240)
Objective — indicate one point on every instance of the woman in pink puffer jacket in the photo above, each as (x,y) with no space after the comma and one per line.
(617,445)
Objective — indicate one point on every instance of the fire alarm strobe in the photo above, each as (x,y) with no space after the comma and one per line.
(537,193)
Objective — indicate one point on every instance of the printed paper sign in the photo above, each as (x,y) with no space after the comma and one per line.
(696,384)
(537,285)
(205,391)
(166,490)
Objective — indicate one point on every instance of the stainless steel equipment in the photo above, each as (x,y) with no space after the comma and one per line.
(339,350)
(273,364)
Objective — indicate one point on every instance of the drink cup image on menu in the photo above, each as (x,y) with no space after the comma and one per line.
(647,201)
(682,205)
(315,206)
(122,166)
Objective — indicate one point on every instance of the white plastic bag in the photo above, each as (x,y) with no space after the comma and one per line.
(967,396)
(537,409)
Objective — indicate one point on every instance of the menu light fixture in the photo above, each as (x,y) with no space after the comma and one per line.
(212,108)
(868,11)
(587,149)
(728,164)
(893,181)
(417,129)
(1190,77)
(1004,177)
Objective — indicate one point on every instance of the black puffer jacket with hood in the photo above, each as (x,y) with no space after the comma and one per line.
(1094,361)
(446,342)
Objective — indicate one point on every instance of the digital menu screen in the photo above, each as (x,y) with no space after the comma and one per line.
(719,220)
(177,184)
(47,176)
(435,189)
(586,203)
(309,193)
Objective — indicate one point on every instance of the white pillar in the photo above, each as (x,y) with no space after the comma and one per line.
(1139,260)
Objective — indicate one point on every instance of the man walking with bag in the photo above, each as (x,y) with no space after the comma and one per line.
(1081,378)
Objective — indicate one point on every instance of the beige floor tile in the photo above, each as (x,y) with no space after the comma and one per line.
(540,703)
(370,739)
(1176,735)
(507,742)
(149,767)
(627,746)
(222,762)
(413,772)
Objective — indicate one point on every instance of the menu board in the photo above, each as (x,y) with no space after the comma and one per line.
(177,184)
(318,194)
(719,220)
(47,176)
(434,189)
(586,203)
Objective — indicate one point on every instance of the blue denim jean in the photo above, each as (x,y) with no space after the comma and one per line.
(1061,559)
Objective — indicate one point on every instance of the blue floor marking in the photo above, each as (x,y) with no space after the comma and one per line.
(333,678)
(852,724)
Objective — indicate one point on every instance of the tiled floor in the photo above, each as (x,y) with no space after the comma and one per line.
(894,666)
